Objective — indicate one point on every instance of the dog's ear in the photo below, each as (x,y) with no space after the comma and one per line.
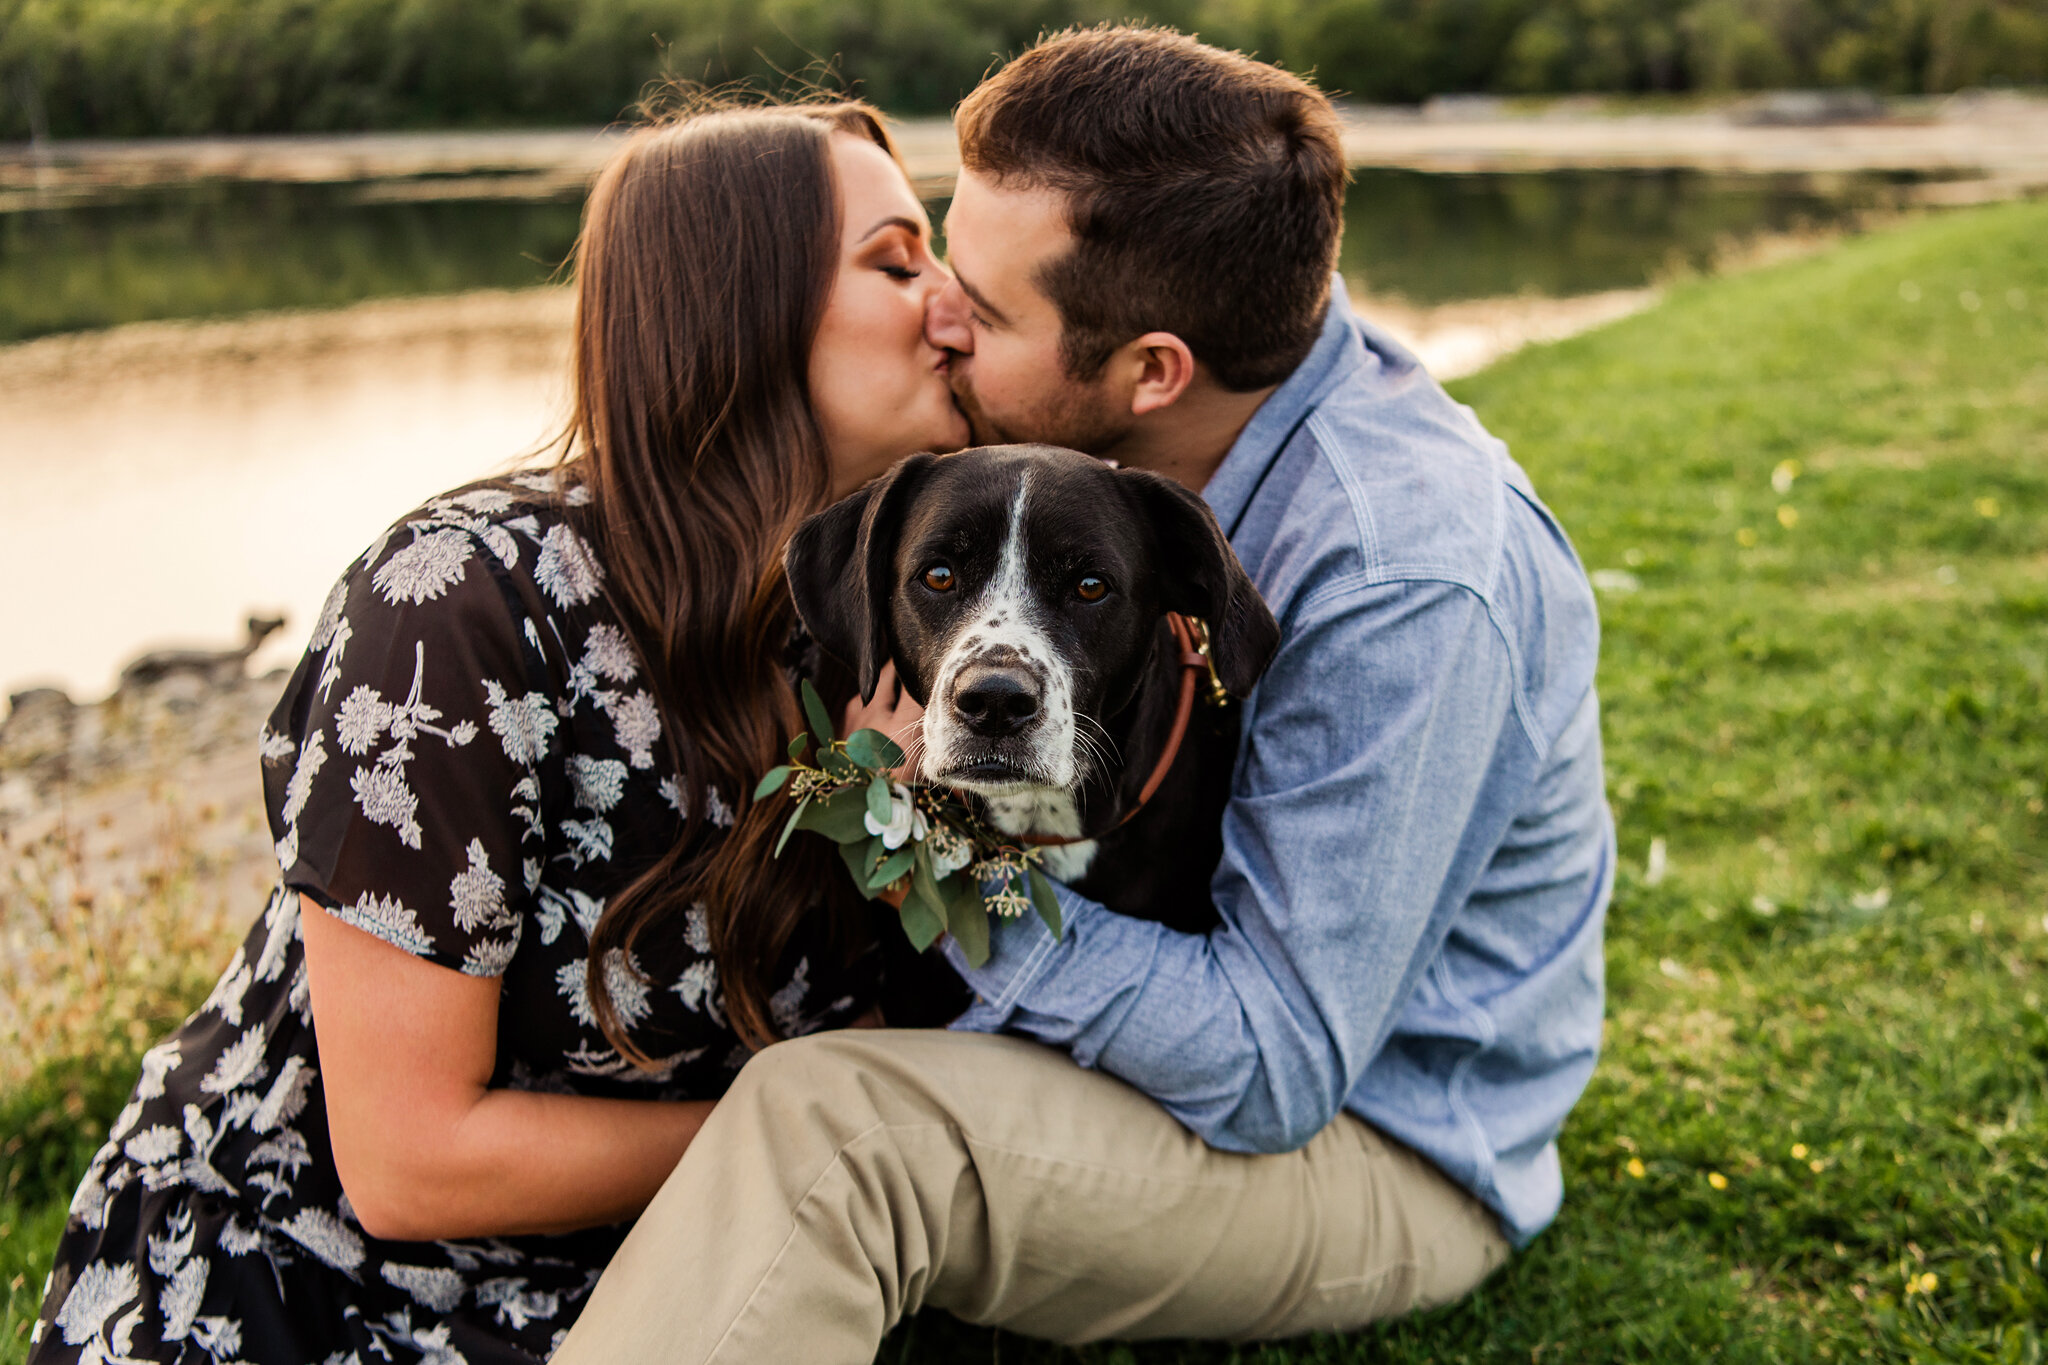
(1201,576)
(841,568)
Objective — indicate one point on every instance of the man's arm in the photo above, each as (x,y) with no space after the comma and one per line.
(1371,735)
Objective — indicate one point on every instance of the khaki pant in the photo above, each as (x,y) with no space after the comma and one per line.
(853,1177)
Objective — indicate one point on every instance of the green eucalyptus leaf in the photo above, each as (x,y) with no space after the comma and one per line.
(771,782)
(839,765)
(1044,901)
(838,816)
(856,859)
(797,746)
(920,924)
(790,828)
(871,749)
(814,711)
(967,918)
(881,799)
(893,866)
(922,883)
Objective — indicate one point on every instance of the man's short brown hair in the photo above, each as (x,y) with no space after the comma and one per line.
(1205,194)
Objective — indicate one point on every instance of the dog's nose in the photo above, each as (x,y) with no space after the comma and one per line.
(995,701)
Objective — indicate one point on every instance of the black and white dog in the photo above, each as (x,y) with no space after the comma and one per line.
(1022,592)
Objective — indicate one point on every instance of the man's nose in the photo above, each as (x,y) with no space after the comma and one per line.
(945,319)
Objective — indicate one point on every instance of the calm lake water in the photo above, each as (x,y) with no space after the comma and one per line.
(157,504)
(224,248)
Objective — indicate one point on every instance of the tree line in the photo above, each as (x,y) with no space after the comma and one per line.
(129,68)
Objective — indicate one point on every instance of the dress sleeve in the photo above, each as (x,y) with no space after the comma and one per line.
(403,768)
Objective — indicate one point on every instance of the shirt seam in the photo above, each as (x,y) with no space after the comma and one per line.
(1361,581)
(1361,506)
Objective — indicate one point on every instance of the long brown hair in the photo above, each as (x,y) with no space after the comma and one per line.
(707,254)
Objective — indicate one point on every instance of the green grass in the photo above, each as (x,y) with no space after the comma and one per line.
(1836,729)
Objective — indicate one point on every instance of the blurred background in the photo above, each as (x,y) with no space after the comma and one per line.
(1525,168)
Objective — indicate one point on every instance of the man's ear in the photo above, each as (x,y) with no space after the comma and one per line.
(1201,577)
(1163,367)
(841,566)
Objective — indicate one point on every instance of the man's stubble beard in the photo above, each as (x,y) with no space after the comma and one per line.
(1075,417)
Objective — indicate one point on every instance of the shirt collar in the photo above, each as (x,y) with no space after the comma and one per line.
(1338,353)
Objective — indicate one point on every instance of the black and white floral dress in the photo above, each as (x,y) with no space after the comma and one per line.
(467,764)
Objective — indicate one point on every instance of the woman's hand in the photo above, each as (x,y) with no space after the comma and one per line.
(895,713)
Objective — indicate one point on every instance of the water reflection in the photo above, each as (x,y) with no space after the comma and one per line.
(217,249)
(161,487)
(159,491)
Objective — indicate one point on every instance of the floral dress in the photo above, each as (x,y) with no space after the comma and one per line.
(466,764)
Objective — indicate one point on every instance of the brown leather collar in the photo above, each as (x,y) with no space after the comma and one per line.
(1193,638)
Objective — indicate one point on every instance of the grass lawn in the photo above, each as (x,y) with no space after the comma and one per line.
(1820,495)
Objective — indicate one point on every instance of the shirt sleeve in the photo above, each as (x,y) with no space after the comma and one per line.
(1357,783)
(406,793)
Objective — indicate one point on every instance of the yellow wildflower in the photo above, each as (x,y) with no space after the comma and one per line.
(1927,1283)
(1799,1151)
(1717,1180)
(1636,1167)
(1788,516)
(1987,507)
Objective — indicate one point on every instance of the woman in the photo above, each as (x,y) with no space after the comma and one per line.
(522,905)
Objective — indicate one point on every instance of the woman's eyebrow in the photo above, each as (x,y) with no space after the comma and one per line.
(910,225)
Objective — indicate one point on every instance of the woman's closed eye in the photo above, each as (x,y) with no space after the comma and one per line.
(900,272)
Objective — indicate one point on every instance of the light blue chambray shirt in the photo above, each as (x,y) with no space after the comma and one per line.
(1417,853)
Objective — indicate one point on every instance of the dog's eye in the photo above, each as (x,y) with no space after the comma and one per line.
(939,578)
(1091,589)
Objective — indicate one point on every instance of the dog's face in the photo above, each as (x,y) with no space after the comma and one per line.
(1019,590)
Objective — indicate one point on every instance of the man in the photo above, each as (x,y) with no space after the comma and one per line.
(1341,1104)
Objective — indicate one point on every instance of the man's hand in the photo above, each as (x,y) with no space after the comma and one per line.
(895,713)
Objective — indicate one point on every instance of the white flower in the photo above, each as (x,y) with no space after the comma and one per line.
(298,791)
(950,852)
(158,1063)
(364,717)
(589,839)
(273,748)
(522,724)
(566,570)
(159,1142)
(287,1097)
(489,957)
(698,987)
(906,821)
(609,654)
(478,894)
(636,724)
(240,1064)
(697,928)
(432,1286)
(330,616)
(100,1290)
(327,1237)
(386,800)
(484,500)
(389,920)
(622,976)
(237,1240)
(786,1005)
(179,1302)
(425,569)
(598,782)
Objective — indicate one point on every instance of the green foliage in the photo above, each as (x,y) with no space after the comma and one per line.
(1829,993)
(123,68)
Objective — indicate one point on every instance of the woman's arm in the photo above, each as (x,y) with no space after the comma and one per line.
(425,1149)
